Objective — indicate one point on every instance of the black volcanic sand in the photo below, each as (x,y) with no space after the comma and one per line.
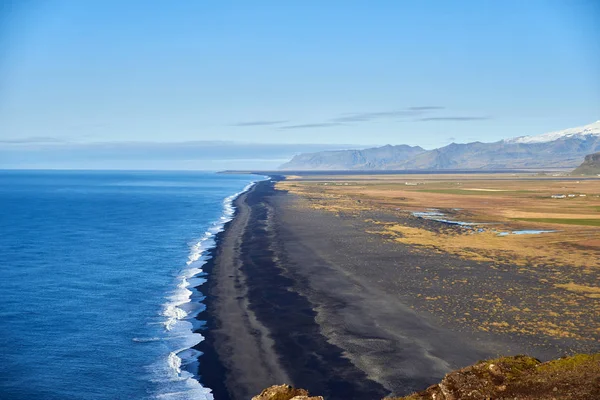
(308,298)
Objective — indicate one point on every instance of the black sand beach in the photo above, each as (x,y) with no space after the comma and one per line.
(308,298)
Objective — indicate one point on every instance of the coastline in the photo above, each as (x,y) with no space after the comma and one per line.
(210,368)
(307,298)
(241,356)
(184,306)
(231,347)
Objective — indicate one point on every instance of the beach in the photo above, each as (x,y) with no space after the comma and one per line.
(311,298)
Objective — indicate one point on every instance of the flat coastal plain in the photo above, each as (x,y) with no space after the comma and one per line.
(362,287)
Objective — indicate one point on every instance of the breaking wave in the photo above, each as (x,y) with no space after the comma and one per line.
(180,311)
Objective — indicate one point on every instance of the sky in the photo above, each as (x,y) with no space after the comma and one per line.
(268,79)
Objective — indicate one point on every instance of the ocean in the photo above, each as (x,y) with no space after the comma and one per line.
(97,277)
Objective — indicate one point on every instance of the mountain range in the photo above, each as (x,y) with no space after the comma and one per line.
(561,149)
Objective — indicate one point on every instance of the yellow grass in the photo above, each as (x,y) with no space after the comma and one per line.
(488,246)
(486,190)
(497,199)
(589,291)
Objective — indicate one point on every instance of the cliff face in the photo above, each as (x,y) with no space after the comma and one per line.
(514,378)
(590,166)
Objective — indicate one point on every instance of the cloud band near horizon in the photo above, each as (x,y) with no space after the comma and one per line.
(405,113)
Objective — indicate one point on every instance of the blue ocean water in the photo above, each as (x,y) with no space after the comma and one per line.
(97,272)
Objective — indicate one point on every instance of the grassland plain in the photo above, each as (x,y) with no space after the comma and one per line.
(542,285)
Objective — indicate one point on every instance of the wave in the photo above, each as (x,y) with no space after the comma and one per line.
(180,312)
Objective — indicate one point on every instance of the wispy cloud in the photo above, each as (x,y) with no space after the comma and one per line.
(260,123)
(370,116)
(353,117)
(374,115)
(416,113)
(308,126)
(32,140)
(453,119)
(426,108)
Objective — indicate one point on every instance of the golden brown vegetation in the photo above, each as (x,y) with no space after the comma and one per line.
(558,295)
(498,202)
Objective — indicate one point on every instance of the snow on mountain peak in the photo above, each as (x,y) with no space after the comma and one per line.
(580,132)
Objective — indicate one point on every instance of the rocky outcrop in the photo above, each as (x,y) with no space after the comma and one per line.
(590,166)
(506,378)
(520,378)
(285,392)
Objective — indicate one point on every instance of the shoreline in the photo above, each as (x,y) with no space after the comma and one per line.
(236,359)
(301,297)
(210,368)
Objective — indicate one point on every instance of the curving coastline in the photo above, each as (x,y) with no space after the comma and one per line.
(184,305)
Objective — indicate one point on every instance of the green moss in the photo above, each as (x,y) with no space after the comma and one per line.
(517,368)
(570,363)
(522,377)
(514,367)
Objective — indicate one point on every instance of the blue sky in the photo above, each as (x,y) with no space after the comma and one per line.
(355,73)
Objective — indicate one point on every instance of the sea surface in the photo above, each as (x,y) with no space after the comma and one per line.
(97,277)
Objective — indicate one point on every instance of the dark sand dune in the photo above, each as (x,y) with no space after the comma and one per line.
(304,297)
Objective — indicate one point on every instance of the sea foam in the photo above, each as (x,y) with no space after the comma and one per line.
(180,311)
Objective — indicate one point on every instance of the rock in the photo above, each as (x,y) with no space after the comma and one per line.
(590,166)
(307,398)
(285,392)
(519,378)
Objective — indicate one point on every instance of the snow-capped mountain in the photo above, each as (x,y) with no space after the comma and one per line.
(562,149)
(580,132)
